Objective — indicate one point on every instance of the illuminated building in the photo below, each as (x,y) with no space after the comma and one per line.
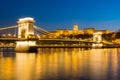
(103,31)
(76,31)
(89,30)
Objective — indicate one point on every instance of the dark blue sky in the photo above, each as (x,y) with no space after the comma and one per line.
(62,14)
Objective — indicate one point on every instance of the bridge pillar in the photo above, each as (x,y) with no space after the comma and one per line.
(26,27)
(24,46)
(97,38)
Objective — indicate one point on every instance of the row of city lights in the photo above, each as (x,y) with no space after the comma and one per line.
(8,35)
(14,35)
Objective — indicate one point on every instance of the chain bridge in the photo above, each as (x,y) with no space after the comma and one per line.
(26,36)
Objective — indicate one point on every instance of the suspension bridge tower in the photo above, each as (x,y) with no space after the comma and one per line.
(26,27)
(97,38)
(25,30)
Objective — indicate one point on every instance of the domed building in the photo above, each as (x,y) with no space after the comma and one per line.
(76,31)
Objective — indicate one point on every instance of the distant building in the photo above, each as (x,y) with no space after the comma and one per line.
(76,31)
(89,30)
(103,31)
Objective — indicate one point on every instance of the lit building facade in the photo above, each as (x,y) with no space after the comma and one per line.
(76,31)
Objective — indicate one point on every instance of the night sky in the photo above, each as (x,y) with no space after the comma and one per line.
(62,14)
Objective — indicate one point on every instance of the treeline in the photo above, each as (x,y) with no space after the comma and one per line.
(108,37)
(77,36)
(111,36)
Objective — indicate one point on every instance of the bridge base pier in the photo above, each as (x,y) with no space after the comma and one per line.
(24,46)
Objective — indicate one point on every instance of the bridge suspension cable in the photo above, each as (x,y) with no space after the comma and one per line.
(9,31)
(38,28)
(43,33)
(11,27)
(105,41)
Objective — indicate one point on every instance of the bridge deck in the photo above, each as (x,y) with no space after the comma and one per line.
(60,46)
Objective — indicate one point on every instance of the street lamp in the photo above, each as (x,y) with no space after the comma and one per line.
(14,35)
(9,35)
(4,35)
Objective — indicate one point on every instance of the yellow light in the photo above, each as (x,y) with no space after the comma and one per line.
(23,43)
(4,35)
(32,43)
(14,35)
(9,34)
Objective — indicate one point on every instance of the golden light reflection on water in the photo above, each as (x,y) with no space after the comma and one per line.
(63,64)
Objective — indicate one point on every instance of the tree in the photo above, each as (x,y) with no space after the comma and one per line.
(107,37)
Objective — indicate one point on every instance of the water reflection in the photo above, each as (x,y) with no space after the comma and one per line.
(7,52)
(62,64)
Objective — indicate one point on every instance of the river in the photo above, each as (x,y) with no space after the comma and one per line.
(61,64)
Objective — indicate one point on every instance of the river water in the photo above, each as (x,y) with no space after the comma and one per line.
(61,64)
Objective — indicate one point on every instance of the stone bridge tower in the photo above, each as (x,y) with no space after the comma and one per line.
(25,30)
(26,27)
(97,38)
